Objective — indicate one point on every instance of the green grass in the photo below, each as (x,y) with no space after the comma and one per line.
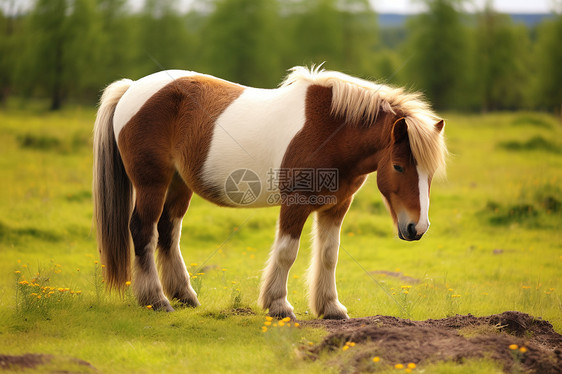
(495,244)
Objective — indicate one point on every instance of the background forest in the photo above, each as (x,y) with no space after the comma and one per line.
(66,51)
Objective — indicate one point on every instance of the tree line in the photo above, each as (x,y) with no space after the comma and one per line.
(68,50)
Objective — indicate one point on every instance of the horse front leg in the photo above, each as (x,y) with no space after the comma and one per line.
(273,292)
(322,273)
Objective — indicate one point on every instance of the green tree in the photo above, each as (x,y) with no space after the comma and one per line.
(62,49)
(548,61)
(164,41)
(8,53)
(501,61)
(437,50)
(318,33)
(117,39)
(241,41)
(342,33)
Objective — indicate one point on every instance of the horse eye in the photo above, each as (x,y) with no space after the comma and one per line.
(399,168)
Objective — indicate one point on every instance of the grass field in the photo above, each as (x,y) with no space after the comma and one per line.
(495,244)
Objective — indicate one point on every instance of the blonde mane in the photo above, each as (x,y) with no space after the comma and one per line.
(361,101)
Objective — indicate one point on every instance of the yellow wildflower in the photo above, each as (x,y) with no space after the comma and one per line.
(149,307)
(412,365)
(18,272)
(286,319)
(399,366)
(522,349)
(376,359)
(24,282)
(264,328)
(267,323)
(269,318)
(297,324)
(406,287)
(127,283)
(281,323)
(345,347)
(513,347)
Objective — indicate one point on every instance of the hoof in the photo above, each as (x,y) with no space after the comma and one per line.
(163,306)
(189,303)
(336,316)
(280,309)
(281,315)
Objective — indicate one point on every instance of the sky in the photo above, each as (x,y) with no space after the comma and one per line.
(380,6)
(506,6)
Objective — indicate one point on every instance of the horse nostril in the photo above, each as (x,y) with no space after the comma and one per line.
(412,230)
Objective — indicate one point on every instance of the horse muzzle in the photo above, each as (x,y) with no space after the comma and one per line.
(409,232)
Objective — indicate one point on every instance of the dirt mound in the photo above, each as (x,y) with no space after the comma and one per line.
(538,347)
(34,361)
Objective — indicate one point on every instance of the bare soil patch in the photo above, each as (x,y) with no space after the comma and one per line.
(457,339)
(33,361)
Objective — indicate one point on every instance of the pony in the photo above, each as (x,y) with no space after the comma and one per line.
(306,146)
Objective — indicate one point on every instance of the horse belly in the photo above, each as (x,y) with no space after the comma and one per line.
(249,142)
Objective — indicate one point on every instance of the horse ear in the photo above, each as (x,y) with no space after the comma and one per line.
(439,126)
(399,130)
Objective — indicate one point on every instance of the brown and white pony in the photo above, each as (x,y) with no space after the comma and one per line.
(166,136)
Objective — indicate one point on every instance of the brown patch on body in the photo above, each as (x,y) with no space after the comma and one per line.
(397,340)
(174,129)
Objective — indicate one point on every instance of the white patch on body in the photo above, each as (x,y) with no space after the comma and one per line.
(423,187)
(139,92)
(254,133)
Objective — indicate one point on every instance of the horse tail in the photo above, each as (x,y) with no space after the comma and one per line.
(112,193)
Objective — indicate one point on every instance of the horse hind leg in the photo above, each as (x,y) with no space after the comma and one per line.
(173,273)
(148,208)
